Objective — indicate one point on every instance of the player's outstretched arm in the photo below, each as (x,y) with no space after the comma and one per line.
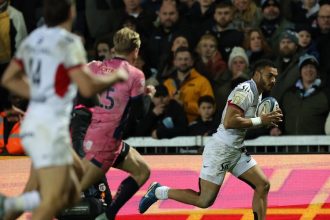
(90,85)
(234,119)
(15,80)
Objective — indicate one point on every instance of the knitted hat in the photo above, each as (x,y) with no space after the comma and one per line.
(291,35)
(265,3)
(237,52)
(308,59)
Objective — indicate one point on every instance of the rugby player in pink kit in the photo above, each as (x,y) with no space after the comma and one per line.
(103,143)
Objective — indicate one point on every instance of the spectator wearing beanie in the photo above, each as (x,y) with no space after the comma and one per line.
(287,63)
(306,104)
(273,23)
(238,64)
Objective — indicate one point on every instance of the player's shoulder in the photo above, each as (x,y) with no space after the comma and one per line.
(33,35)
(134,71)
(72,38)
(245,87)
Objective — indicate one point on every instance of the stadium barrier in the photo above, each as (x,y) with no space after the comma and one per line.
(261,145)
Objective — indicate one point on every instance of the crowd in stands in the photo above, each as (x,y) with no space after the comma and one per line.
(195,52)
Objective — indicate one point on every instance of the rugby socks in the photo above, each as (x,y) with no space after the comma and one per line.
(125,191)
(25,202)
(255,216)
(162,192)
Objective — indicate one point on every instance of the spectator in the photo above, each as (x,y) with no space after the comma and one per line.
(273,23)
(223,29)
(201,11)
(187,85)
(143,17)
(29,10)
(247,15)
(321,35)
(99,17)
(165,118)
(199,16)
(305,40)
(238,65)
(287,64)
(104,49)
(141,64)
(207,122)
(306,105)
(12,31)
(161,36)
(166,67)
(210,62)
(304,12)
(256,46)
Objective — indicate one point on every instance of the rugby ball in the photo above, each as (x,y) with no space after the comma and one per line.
(267,105)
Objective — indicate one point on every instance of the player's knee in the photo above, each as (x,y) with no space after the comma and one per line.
(141,175)
(263,188)
(204,203)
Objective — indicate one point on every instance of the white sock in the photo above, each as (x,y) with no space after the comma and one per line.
(25,202)
(162,192)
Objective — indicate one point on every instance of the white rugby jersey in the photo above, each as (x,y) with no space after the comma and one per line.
(46,56)
(246,97)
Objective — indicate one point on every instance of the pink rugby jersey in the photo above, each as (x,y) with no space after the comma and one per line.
(114,102)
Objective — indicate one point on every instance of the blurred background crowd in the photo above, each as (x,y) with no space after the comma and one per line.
(195,52)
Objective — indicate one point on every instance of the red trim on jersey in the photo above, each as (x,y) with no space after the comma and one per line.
(19,62)
(74,67)
(234,105)
(62,80)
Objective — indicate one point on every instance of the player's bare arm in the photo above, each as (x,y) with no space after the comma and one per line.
(15,80)
(235,119)
(90,85)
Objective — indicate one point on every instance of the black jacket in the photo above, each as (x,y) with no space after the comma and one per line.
(174,112)
(200,127)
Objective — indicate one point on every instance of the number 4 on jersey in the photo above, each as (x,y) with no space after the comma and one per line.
(34,69)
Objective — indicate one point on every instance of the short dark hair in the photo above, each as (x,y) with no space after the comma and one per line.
(262,63)
(56,12)
(207,99)
(184,49)
(104,40)
(225,4)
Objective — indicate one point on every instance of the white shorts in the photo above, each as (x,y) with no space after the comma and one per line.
(46,141)
(219,158)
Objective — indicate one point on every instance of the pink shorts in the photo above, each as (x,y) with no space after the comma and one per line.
(101,148)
